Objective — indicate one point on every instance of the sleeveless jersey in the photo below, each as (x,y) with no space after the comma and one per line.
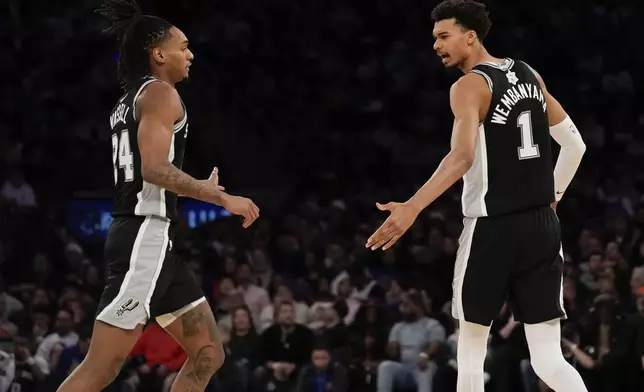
(132,195)
(513,168)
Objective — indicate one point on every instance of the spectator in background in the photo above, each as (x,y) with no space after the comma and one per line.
(7,364)
(255,297)
(283,293)
(262,269)
(71,356)
(286,347)
(37,323)
(244,344)
(635,325)
(368,336)
(604,331)
(30,371)
(322,374)
(591,271)
(63,335)
(342,288)
(7,328)
(9,305)
(334,332)
(413,348)
(637,279)
(18,191)
(156,356)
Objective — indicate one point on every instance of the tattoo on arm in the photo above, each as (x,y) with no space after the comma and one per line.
(170,177)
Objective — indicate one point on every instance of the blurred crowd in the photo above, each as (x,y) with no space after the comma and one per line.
(317,110)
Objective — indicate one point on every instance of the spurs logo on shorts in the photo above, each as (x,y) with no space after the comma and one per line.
(127,307)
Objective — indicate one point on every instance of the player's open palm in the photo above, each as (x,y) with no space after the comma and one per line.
(241,206)
(401,217)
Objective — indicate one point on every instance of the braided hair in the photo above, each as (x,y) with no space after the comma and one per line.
(137,35)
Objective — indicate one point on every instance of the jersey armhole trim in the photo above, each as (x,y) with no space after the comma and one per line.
(136,96)
(490,85)
(529,67)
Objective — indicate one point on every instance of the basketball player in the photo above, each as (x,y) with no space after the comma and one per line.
(146,280)
(511,241)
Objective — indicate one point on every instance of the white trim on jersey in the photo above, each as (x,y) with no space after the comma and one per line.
(506,65)
(136,96)
(180,124)
(490,85)
(475,181)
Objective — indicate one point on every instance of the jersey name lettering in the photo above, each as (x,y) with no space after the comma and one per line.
(119,115)
(512,96)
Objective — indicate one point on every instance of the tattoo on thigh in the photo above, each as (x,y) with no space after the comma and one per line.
(204,364)
(190,322)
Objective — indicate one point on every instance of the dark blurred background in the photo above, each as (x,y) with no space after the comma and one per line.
(316,109)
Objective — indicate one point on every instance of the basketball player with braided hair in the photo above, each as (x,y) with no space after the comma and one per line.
(146,280)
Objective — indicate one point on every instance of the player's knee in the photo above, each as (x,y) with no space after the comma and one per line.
(545,366)
(209,358)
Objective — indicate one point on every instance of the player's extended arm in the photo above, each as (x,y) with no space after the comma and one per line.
(565,133)
(467,97)
(160,107)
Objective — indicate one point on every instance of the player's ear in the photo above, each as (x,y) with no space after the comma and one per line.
(471,37)
(157,55)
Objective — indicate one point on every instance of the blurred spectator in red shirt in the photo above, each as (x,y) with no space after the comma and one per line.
(157,357)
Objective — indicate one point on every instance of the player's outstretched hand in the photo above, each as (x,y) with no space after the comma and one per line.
(241,206)
(402,216)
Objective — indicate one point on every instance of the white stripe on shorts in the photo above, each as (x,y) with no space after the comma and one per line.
(462,256)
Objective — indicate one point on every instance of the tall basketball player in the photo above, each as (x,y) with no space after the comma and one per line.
(146,280)
(511,242)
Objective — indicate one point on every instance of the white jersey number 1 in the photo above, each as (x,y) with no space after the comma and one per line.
(528,149)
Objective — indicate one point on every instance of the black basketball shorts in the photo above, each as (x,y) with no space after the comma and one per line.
(515,257)
(145,278)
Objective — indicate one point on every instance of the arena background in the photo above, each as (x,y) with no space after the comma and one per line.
(316,109)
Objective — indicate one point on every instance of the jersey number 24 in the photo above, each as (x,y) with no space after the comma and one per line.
(122,156)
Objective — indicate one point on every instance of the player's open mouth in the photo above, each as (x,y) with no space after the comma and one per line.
(444,57)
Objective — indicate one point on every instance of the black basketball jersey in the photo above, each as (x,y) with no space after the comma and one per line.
(513,168)
(132,195)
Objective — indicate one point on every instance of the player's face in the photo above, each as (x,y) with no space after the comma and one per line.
(176,54)
(452,42)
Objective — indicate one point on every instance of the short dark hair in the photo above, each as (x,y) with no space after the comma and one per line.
(137,34)
(469,14)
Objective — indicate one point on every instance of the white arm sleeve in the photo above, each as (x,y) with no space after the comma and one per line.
(572,149)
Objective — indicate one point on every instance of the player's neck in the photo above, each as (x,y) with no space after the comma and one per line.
(163,76)
(478,56)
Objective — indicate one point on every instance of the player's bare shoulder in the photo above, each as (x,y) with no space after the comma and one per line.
(159,97)
(470,90)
